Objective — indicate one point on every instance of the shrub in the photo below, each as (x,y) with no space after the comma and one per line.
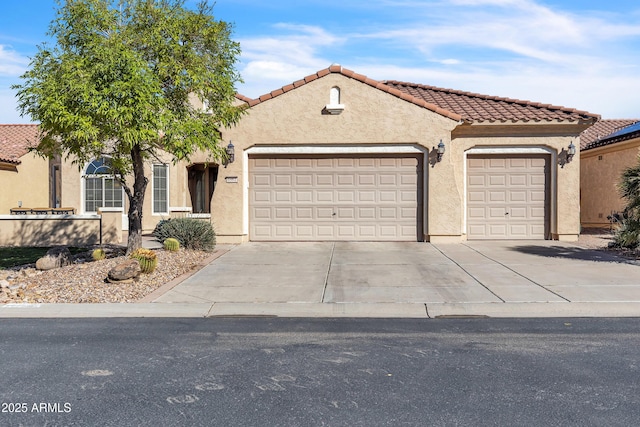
(171,244)
(147,258)
(190,232)
(98,254)
(627,235)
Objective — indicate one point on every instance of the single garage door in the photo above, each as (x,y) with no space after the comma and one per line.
(508,197)
(335,198)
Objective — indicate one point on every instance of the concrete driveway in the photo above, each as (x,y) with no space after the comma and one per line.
(411,273)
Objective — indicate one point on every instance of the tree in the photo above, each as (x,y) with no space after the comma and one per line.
(118,82)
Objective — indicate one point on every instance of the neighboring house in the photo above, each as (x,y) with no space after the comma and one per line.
(26,180)
(339,156)
(607,148)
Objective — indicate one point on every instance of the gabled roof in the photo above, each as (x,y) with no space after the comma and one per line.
(456,105)
(15,141)
(602,132)
(479,108)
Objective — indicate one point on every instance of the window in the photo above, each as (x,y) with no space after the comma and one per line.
(101,189)
(160,184)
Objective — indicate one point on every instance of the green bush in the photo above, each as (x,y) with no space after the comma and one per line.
(190,232)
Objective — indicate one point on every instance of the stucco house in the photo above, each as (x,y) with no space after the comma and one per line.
(339,156)
(607,149)
(26,180)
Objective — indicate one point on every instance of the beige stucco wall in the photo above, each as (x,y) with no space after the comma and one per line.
(72,189)
(27,182)
(601,169)
(50,230)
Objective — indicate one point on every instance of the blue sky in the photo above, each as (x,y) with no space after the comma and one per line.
(580,54)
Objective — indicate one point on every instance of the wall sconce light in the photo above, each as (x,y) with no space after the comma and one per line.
(571,151)
(231,154)
(440,151)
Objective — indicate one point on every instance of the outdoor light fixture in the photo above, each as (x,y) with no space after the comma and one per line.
(231,154)
(440,151)
(571,151)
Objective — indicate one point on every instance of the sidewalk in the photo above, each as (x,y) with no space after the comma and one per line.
(407,280)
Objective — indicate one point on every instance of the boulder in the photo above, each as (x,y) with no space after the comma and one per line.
(126,270)
(56,257)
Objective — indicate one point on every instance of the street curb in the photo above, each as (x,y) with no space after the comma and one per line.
(325,310)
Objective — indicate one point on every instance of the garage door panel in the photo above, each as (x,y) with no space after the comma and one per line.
(498,230)
(517,180)
(366,196)
(346,213)
(507,196)
(408,196)
(347,180)
(304,213)
(303,196)
(388,179)
(367,179)
(518,213)
(323,198)
(324,180)
(304,230)
(497,180)
(303,180)
(497,196)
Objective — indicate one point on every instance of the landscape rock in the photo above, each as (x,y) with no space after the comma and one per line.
(126,270)
(56,257)
(4,284)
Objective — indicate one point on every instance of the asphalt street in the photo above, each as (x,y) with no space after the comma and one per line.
(335,372)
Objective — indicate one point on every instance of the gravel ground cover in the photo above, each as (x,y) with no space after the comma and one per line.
(84,281)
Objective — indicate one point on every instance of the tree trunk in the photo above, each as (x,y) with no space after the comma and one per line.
(136,201)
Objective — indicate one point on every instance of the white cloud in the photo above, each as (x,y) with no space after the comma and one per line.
(11,62)
(513,48)
(276,60)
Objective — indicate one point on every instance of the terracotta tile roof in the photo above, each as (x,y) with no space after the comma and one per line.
(15,141)
(474,107)
(456,105)
(596,135)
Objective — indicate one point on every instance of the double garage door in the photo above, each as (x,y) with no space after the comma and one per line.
(508,197)
(368,198)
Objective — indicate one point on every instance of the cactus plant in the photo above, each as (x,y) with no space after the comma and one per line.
(98,254)
(171,244)
(147,258)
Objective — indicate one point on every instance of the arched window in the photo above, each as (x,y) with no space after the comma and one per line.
(101,189)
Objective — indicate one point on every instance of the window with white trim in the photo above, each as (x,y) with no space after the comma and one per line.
(160,187)
(101,189)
